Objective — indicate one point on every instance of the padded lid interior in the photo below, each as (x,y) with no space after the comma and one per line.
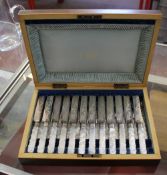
(113,51)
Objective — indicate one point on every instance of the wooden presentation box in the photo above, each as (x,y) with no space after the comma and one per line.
(92,53)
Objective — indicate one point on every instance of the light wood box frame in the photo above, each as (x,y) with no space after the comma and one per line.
(72,14)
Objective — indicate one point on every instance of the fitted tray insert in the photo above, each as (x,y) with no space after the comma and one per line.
(90,123)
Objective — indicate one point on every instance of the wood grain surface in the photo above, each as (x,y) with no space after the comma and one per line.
(159,108)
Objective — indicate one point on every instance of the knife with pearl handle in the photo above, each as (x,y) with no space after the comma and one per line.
(102,128)
(92,124)
(64,121)
(73,123)
(55,119)
(45,123)
(36,119)
(83,120)
(119,109)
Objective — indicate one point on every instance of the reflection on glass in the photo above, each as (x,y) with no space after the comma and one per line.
(12,51)
(159,62)
(9,38)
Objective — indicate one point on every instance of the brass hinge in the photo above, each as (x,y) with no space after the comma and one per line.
(60,86)
(121,86)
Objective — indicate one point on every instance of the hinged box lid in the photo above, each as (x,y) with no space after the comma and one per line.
(90,47)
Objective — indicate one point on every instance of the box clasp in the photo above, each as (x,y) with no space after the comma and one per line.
(88,17)
(89,155)
(60,86)
(121,86)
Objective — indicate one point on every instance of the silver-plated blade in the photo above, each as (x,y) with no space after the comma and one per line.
(127,109)
(101,109)
(65,109)
(56,109)
(48,109)
(119,109)
(83,109)
(137,110)
(74,109)
(92,109)
(39,109)
(110,110)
